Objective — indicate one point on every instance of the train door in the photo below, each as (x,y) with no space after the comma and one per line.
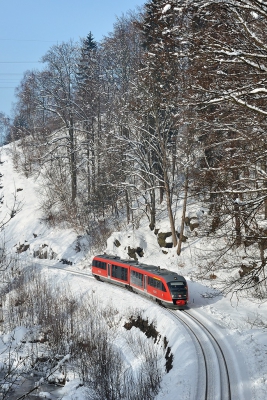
(109,268)
(145,283)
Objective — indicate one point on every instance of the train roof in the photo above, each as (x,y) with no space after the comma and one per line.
(169,276)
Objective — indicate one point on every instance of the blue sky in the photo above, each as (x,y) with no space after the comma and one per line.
(30,27)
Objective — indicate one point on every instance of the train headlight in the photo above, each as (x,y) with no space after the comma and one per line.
(178,296)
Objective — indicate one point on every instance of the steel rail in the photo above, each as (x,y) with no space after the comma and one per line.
(220,353)
(223,390)
(74,272)
(201,342)
(198,342)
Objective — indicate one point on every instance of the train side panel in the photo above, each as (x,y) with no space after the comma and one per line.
(151,285)
(99,267)
(156,287)
(111,270)
(149,280)
(137,279)
(120,273)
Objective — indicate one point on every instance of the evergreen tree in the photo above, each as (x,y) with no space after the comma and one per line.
(88,50)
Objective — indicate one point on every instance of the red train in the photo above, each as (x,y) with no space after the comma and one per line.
(166,287)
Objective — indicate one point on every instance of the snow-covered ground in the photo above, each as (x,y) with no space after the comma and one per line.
(238,322)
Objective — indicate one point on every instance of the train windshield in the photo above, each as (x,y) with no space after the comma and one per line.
(177,286)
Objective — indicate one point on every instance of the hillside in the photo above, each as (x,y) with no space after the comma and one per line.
(240,321)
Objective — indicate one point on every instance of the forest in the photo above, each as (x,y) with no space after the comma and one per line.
(170,106)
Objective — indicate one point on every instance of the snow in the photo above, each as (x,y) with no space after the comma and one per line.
(16,336)
(166,8)
(240,323)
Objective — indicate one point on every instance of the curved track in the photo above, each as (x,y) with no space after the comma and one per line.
(215,382)
(224,371)
(72,271)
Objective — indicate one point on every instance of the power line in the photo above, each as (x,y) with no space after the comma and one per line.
(20,62)
(30,40)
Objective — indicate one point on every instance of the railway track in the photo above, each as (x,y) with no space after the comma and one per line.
(226,392)
(74,272)
(213,378)
(218,377)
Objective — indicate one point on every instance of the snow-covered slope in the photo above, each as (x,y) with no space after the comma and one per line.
(238,323)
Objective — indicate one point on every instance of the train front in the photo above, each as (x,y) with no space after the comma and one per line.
(179,291)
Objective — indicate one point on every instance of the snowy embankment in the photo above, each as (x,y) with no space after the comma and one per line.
(238,322)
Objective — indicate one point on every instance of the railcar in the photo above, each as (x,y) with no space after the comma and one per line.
(166,287)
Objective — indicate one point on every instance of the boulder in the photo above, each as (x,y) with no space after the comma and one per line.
(193,223)
(117,243)
(133,252)
(162,236)
(23,247)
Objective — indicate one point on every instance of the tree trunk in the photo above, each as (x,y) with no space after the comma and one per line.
(263,166)
(127,206)
(72,162)
(174,237)
(152,210)
(161,192)
(238,239)
(88,161)
(169,208)
(166,184)
(179,247)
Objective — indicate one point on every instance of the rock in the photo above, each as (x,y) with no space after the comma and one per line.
(23,247)
(162,236)
(245,270)
(67,262)
(44,252)
(140,251)
(194,223)
(187,221)
(117,243)
(132,252)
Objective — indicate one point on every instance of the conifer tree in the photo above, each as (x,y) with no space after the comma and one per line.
(88,50)
(88,96)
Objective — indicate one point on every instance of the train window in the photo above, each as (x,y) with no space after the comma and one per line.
(163,287)
(137,278)
(176,285)
(156,283)
(99,264)
(114,271)
(103,265)
(119,272)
